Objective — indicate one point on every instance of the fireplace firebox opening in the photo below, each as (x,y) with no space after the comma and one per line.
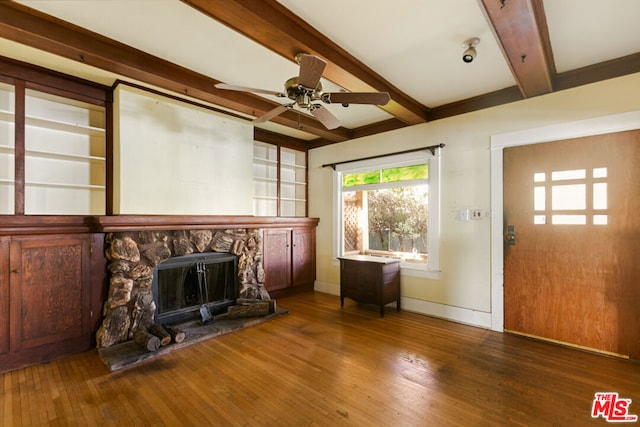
(194,286)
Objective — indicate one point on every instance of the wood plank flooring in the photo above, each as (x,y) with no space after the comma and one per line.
(322,365)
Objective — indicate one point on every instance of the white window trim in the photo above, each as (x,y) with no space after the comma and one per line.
(432,269)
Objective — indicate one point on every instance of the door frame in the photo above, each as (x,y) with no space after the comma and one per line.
(595,126)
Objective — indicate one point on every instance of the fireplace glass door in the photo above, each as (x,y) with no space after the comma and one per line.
(183,285)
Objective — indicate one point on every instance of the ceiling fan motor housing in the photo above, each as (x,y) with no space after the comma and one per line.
(300,94)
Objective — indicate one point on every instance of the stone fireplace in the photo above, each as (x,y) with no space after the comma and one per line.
(133,261)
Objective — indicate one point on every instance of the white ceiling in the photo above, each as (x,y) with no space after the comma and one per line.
(416,45)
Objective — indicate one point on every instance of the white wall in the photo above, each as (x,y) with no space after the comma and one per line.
(464,290)
(173,158)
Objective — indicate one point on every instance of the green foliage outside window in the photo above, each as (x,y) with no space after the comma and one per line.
(405,173)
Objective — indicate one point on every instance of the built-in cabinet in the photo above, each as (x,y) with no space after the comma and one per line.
(279,181)
(48,301)
(54,150)
(52,153)
(55,205)
(289,257)
(65,156)
(51,290)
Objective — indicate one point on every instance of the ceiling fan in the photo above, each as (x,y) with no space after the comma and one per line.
(305,90)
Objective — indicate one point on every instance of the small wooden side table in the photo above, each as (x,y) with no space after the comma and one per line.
(370,280)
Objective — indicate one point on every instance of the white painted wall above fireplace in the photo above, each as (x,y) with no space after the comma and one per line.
(173,158)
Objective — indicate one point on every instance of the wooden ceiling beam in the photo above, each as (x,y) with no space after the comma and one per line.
(41,31)
(272,25)
(521,30)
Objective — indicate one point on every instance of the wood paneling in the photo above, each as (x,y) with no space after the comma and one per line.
(289,258)
(303,257)
(322,365)
(277,259)
(49,290)
(4,294)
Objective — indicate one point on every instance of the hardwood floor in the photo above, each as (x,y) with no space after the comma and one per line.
(322,365)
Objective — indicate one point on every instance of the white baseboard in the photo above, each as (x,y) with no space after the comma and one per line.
(479,319)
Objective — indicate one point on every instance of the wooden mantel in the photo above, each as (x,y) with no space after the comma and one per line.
(185,222)
(60,224)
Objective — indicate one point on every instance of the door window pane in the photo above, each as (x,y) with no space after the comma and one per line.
(568,197)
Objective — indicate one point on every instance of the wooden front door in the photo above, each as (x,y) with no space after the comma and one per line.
(572,241)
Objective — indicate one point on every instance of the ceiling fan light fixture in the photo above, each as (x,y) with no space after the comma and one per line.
(470,52)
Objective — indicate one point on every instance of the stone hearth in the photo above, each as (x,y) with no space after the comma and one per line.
(132,257)
(129,353)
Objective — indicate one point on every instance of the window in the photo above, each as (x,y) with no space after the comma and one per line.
(571,197)
(389,207)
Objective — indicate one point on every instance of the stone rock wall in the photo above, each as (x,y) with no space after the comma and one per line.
(132,257)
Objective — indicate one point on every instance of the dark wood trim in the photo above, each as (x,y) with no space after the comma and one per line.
(109,161)
(19,148)
(25,76)
(45,353)
(291,291)
(279,139)
(44,224)
(186,222)
(4,295)
(272,25)
(98,281)
(493,99)
(53,82)
(618,67)
(285,33)
(537,8)
(515,25)
(6,79)
(379,127)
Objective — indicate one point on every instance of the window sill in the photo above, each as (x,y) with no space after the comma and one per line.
(408,269)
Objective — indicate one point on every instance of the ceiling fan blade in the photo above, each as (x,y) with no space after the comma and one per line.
(375,98)
(272,113)
(247,89)
(311,69)
(325,117)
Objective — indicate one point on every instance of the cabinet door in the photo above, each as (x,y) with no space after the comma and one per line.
(4,294)
(277,258)
(303,256)
(49,303)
